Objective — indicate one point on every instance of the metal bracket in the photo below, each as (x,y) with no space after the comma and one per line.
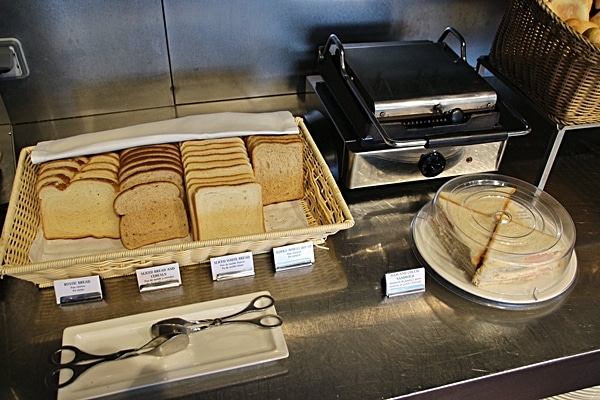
(16,65)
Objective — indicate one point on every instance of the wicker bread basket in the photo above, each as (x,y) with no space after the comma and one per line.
(553,65)
(325,208)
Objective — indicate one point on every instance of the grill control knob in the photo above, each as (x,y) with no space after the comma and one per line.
(457,115)
(432,164)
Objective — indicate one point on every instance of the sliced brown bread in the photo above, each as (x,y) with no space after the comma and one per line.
(151,213)
(278,166)
(159,146)
(161,174)
(148,166)
(137,158)
(100,165)
(170,153)
(110,157)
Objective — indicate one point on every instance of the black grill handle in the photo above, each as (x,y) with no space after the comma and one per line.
(461,39)
(467,138)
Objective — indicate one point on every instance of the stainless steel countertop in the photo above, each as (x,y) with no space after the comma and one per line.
(345,338)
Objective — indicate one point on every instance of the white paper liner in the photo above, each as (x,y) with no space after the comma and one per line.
(193,127)
(278,217)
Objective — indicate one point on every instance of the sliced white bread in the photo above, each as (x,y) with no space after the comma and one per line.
(67,171)
(194,183)
(74,194)
(79,209)
(239,155)
(75,163)
(223,196)
(228,210)
(98,174)
(223,171)
(225,142)
(217,150)
(58,180)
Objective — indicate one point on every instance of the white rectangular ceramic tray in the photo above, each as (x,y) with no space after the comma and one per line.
(215,350)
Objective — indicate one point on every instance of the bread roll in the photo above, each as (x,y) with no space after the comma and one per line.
(593,34)
(581,26)
(567,9)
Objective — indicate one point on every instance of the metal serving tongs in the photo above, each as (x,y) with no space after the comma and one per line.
(72,361)
(182,325)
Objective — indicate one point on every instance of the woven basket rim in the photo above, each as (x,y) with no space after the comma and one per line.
(314,233)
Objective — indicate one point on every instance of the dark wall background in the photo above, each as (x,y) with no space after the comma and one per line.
(98,65)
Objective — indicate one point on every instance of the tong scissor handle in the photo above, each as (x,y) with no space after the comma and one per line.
(264,321)
(259,303)
(76,363)
(74,356)
(187,326)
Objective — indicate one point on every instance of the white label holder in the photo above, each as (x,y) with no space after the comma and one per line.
(232,266)
(78,290)
(159,277)
(293,256)
(405,282)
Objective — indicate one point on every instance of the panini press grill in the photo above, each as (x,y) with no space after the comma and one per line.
(393,112)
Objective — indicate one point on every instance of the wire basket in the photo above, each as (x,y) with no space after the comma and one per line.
(324,206)
(553,65)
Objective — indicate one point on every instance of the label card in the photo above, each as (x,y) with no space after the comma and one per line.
(293,256)
(405,282)
(160,277)
(78,290)
(232,266)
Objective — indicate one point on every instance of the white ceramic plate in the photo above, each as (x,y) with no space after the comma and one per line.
(215,350)
(531,292)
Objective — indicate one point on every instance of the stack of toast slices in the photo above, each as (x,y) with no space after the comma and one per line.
(224,198)
(151,199)
(76,197)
